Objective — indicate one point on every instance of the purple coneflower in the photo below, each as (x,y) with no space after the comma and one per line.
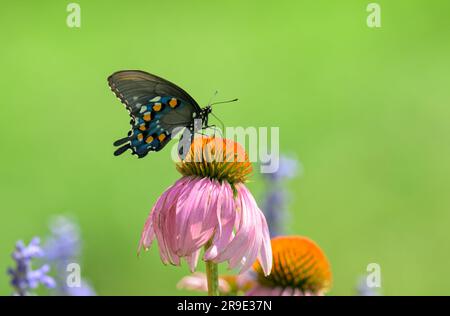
(211,208)
(23,277)
(300,268)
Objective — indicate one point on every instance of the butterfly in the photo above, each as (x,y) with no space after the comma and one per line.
(158,110)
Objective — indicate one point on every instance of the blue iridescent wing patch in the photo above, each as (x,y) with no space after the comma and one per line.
(156,106)
(153,125)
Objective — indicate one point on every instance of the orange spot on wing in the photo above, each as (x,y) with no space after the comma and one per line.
(173,102)
(157,107)
(147,116)
(161,137)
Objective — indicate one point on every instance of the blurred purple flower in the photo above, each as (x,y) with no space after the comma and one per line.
(363,289)
(23,277)
(84,289)
(62,248)
(288,168)
(274,205)
(64,244)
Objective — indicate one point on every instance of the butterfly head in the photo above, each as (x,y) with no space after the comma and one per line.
(204,114)
(208,110)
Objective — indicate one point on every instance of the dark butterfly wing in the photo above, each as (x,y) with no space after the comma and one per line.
(157,107)
(155,125)
(135,88)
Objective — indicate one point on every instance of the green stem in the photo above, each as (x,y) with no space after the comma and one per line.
(212,276)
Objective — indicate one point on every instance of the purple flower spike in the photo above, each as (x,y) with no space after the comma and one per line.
(84,289)
(274,206)
(23,277)
(362,289)
(64,244)
(62,248)
(288,169)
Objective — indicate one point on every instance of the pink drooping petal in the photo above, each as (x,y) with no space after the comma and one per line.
(168,224)
(196,211)
(254,242)
(187,210)
(203,219)
(244,238)
(158,222)
(242,234)
(147,236)
(254,249)
(226,220)
(265,255)
(171,221)
(249,241)
(158,216)
(192,260)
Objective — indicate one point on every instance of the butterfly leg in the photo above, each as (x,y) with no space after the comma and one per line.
(214,128)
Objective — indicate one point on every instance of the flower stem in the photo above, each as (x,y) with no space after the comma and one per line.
(212,276)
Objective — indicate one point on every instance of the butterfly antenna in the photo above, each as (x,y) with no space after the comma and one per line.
(212,97)
(216,117)
(228,101)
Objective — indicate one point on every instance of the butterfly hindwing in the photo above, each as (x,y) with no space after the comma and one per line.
(154,125)
(156,106)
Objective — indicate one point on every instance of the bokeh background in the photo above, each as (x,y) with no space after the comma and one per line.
(366,111)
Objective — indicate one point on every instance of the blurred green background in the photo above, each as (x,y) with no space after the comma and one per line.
(365,110)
